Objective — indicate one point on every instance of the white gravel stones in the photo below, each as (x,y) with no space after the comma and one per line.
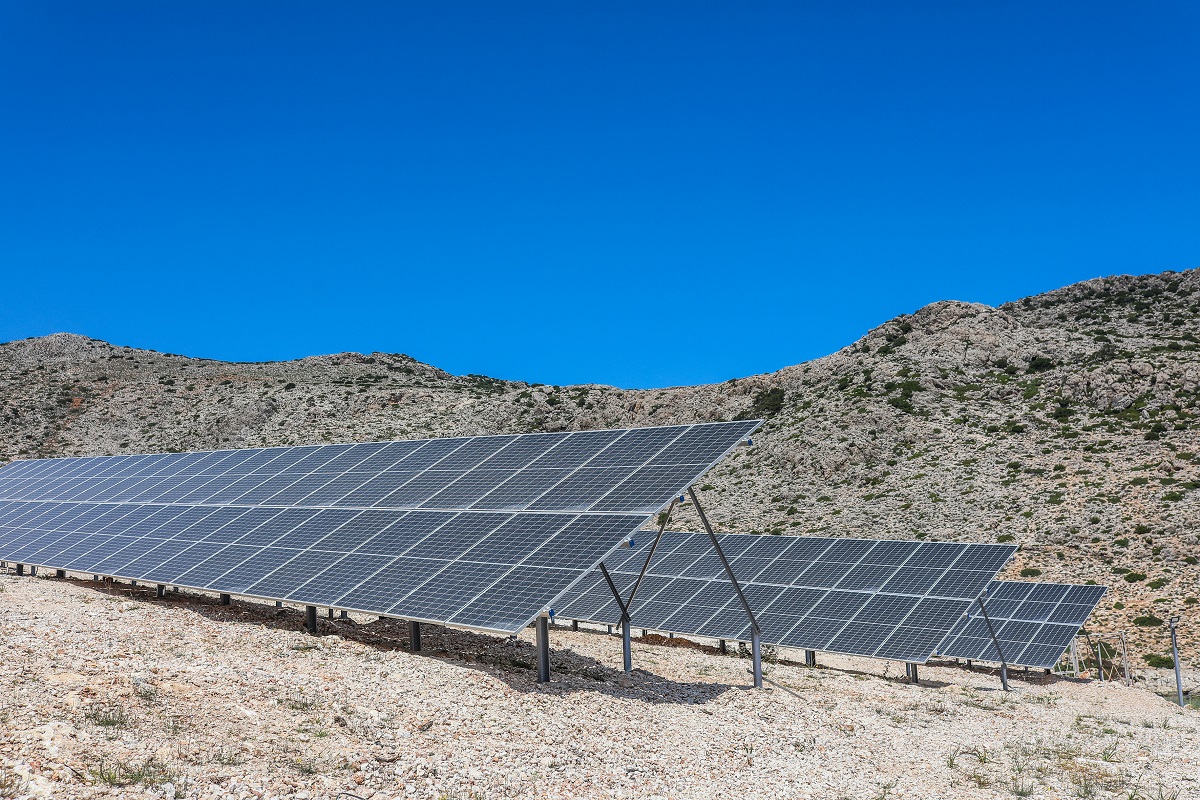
(112,696)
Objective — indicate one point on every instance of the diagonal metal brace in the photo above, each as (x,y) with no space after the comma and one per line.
(616,594)
(724,561)
(662,526)
(996,642)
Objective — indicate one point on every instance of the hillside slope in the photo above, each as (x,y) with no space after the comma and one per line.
(1067,421)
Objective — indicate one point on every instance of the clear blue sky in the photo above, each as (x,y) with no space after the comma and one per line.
(641,194)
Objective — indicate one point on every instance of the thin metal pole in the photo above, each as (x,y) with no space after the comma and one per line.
(1100,656)
(810,658)
(1125,660)
(756,653)
(755,628)
(543,650)
(414,637)
(160,590)
(574,624)
(1075,656)
(224,599)
(712,537)
(995,641)
(1174,621)
(60,573)
(310,619)
(915,679)
(626,648)
(662,526)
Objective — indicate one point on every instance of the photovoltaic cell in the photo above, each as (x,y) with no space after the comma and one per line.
(482,532)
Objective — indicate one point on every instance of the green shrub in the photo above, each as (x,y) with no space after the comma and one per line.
(1039,364)
(1005,537)
(1134,577)
(766,403)
(1030,572)
(1148,621)
(1157,583)
(1159,662)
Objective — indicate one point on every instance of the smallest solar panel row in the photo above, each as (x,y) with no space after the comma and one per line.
(1034,623)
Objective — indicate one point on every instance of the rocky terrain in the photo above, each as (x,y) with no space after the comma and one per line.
(112,693)
(1065,422)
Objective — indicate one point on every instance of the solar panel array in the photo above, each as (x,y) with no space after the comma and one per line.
(1034,623)
(479,532)
(884,599)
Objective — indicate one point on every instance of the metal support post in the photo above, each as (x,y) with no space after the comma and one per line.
(279,604)
(1125,660)
(574,625)
(610,630)
(755,629)
(996,642)
(912,671)
(626,648)
(225,599)
(543,649)
(414,636)
(20,569)
(310,619)
(756,654)
(96,577)
(810,658)
(1074,657)
(1174,623)
(1100,657)
(60,573)
(722,647)
(330,614)
(160,590)
(33,572)
(344,614)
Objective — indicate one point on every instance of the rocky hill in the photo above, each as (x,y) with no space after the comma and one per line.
(1065,422)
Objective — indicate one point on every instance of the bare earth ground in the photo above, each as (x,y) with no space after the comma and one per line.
(108,692)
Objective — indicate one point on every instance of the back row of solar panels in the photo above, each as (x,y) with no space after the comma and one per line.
(883,599)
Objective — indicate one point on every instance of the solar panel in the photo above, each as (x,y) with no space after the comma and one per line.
(479,532)
(883,599)
(1034,623)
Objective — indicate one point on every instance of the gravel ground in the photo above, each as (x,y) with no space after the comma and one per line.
(109,692)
